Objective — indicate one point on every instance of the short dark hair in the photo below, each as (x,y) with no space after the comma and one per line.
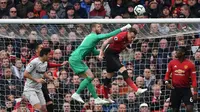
(183,49)
(37,46)
(133,30)
(44,51)
(94,25)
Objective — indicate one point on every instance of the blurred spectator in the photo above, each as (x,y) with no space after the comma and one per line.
(185,12)
(144,107)
(163,54)
(4,9)
(145,50)
(123,88)
(23,7)
(55,97)
(60,12)
(55,41)
(89,105)
(98,108)
(172,27)
(130,74)
(46,5)
(194,8)
(45,43)
(139,63)
(19,69)
(166,12)
(51,14)
(122,108)
(153,9)
(131,102)
(79,10)
(38,11)
(57,56)
(105,6)
(118,8)
(67,97)
(10,84)
(66,107)
(44,32)
(13,13)
(99,88)
(86,4)
(157,98)
(98,11)
(140,82)
(64,4)
(70,13)
(149,78)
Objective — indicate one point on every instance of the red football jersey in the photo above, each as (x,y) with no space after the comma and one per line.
(120,42)
(181,73)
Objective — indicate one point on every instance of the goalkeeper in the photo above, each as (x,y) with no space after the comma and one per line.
(112,47)
(79,67)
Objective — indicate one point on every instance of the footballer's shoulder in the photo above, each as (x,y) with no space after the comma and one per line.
(173,61)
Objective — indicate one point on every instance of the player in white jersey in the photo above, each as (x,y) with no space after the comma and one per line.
(34,74)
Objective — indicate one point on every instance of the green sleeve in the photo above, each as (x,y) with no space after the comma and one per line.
(108,35)
(95,51)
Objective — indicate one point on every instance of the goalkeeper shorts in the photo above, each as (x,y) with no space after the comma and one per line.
(77,65)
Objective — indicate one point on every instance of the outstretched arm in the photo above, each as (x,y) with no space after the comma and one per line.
(113,33)
(53,65)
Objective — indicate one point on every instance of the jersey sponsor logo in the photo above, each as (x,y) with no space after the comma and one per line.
(185,66)
(40,72)
(115,38)
(179,72)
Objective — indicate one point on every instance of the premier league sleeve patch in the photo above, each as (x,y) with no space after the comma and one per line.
(115,38)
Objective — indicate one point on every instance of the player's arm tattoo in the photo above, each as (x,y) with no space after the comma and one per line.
(105,43)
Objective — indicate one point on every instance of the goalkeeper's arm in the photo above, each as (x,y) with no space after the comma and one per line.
(113,33)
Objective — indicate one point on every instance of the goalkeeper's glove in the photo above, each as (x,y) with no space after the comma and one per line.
(125,27)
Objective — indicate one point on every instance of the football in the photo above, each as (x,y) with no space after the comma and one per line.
(139,10)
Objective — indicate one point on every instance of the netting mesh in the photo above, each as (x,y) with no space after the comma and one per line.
(146,60)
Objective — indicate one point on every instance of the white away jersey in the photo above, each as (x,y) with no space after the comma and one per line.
(37,69)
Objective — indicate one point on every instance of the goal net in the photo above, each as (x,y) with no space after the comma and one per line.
(146,60)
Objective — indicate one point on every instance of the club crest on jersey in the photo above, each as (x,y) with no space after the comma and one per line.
(185,66)
(115,38)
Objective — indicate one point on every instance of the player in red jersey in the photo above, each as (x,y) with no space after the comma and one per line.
(112,47)
(181,70)
(49,102)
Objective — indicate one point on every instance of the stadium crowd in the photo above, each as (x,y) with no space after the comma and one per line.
(145,59)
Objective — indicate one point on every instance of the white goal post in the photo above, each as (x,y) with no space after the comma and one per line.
(104,21)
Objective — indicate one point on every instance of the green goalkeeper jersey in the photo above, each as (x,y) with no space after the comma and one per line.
(88,45)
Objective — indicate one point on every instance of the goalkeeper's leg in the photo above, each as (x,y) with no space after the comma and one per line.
(87,82)
(129,81)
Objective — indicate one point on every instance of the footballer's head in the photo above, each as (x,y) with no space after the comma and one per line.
(97,28)
(181,52)
(44,53)
(38,48)
(132,32)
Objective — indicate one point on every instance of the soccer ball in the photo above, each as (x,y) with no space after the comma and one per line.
(139,10)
